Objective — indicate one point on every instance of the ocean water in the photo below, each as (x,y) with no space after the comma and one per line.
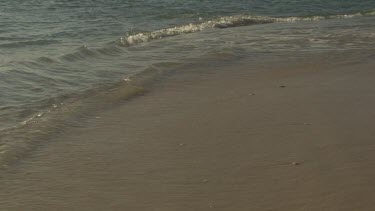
(61,58)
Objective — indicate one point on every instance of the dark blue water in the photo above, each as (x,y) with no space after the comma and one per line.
(56,50)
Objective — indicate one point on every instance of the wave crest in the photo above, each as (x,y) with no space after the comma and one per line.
(225,22)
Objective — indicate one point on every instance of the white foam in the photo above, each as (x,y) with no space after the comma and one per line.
(225,22)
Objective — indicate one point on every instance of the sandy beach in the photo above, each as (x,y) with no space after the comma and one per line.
(289,138)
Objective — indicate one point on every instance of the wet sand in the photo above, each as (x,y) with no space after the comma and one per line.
(292,138)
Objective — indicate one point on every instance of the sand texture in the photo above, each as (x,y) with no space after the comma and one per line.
(293,138)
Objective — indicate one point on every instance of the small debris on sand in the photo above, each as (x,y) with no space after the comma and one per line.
(282,86)
(295,163)
(126,79)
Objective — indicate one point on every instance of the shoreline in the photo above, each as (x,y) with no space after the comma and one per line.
(277,139)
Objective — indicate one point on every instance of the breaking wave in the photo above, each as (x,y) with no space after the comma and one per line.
(225,22)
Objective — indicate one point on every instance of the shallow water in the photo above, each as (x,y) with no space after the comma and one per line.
(211,136)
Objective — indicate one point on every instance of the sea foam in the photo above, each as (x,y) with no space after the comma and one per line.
(225,22)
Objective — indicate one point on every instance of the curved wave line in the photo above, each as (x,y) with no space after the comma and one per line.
(225,22)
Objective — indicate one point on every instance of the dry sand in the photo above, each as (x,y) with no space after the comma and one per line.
(298,138)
